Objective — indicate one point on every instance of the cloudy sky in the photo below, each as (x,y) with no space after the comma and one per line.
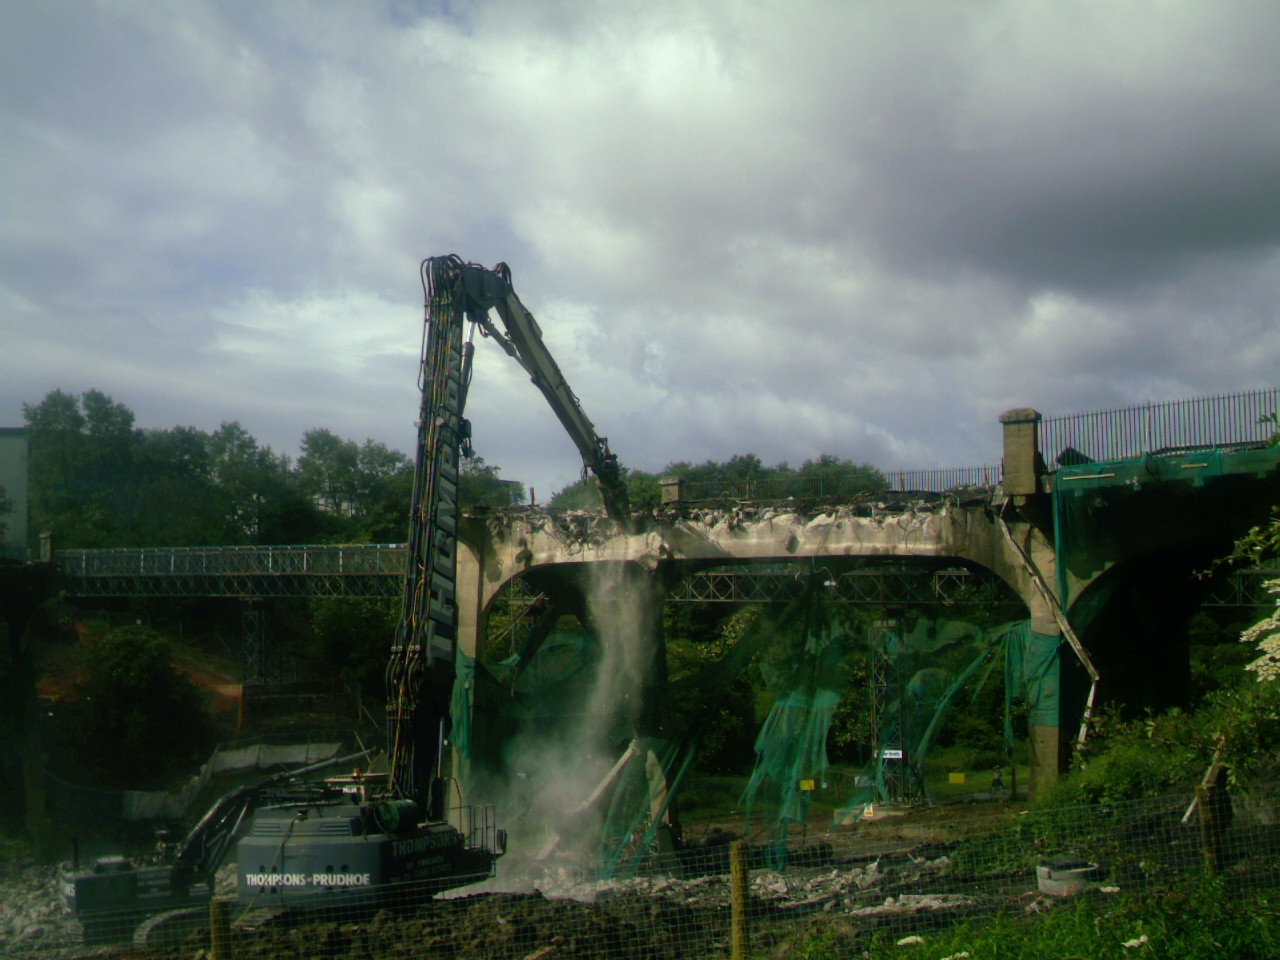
(762,226)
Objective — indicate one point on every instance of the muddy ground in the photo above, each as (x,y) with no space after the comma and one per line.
(896,879)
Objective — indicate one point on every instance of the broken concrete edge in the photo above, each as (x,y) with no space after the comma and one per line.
(886,504)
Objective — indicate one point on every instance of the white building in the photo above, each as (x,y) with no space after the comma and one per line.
(13,481)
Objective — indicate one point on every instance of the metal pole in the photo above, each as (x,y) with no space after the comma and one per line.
(739,935)
(219,930)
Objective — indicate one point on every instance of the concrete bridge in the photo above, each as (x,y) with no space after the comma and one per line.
(1101,555)
(1098,553)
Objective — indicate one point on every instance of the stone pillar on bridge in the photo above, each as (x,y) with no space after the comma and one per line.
(1031,526)
(1022,464)
(1048,731)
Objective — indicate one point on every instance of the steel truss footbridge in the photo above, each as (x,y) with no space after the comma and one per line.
(378,570)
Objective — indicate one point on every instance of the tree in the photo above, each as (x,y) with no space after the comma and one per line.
(177,501)
(144,720)
(479,485)
(580,495)
(353,638)
(83,468)
(643,490)
(328,470)
(363,490)
(840,478)
(259,498)
(384,488)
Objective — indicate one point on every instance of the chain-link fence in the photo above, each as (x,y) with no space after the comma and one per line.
(890,876)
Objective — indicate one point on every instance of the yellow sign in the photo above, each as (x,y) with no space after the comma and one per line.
(806,784)
(955,777)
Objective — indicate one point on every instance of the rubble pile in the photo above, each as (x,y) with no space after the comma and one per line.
(31,916)
(858,890)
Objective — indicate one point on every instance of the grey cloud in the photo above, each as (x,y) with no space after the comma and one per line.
(863,229)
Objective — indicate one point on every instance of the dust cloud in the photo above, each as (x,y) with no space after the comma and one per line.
(564,769)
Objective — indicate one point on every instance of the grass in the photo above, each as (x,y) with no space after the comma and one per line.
(1195,920)
(714,798)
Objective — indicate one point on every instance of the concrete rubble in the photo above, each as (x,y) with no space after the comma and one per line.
(879,888)
(588,528)
(31,917)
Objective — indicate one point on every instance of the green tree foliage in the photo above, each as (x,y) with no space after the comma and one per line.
(479,484)
(144,719)
(838,478)
(363,490)
(827,477)
(98,481)
(699,636)
(327,471)
(643,490)
(259,500)
(353,637)
(83,468)
(384,489)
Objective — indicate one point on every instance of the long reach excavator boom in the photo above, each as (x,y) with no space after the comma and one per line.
(491,289)
(372,837)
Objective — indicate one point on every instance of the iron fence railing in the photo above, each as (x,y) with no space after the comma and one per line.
(77,801)
(943,479)
(1224,420)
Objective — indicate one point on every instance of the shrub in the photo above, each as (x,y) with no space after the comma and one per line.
(144,720)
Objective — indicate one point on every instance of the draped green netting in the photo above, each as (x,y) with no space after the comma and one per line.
(927,662)
(518,727)
(804,671)
(1031,666)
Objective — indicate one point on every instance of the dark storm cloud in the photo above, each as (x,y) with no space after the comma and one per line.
(863,229)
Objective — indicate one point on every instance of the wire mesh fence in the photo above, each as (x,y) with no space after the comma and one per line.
(866,886)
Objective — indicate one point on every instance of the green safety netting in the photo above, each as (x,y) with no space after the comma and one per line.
(804,652)
(1031,666)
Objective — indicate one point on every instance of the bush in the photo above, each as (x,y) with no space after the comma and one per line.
(1129,760)
(144,720)
(1194,920)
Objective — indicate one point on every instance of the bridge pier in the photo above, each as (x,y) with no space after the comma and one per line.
(1030,530)
(602,729)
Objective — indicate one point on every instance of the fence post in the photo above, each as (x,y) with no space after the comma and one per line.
(219,929)
(1214,804)
(739,934)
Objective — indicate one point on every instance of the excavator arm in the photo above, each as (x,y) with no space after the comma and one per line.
(521,338)
(420,672)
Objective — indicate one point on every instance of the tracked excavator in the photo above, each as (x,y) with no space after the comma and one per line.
(395,835)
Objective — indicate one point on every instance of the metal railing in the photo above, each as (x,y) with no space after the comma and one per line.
(943,479)
(904,584)
(351,570)
(1224,420)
